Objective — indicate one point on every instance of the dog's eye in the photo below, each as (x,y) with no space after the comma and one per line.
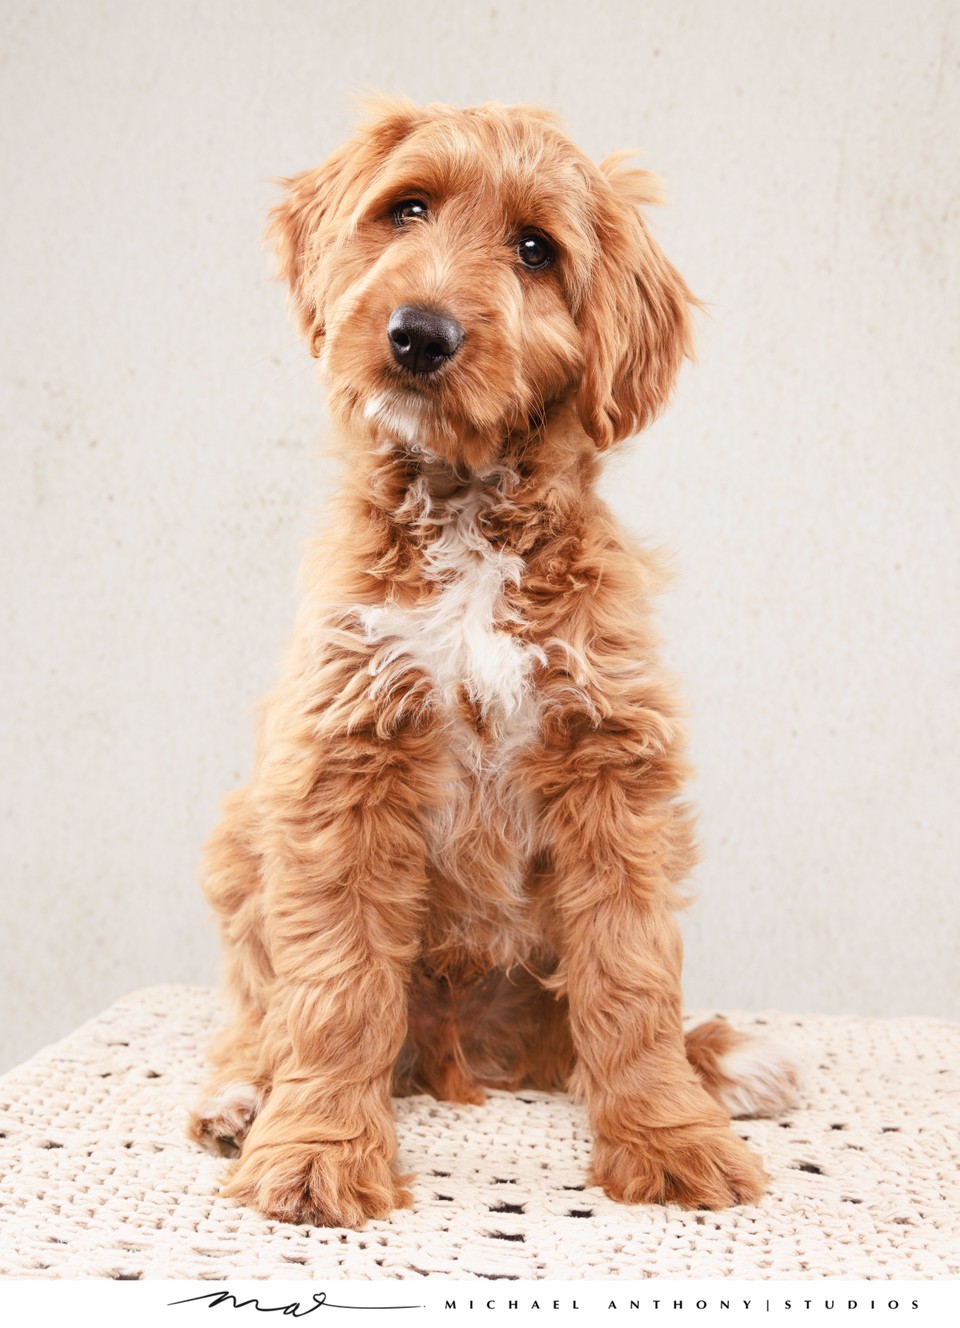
(411,209)
(534,251)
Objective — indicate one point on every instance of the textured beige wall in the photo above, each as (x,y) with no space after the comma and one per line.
(160,428)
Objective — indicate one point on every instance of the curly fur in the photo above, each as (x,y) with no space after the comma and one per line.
(457,862)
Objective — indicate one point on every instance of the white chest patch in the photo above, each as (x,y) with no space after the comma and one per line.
(480,838)
(458,637)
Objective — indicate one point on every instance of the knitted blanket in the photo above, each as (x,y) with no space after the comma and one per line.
(99,1180)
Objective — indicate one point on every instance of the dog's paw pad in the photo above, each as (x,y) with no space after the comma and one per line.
(222,1120)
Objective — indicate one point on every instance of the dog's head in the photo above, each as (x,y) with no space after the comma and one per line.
(458,272)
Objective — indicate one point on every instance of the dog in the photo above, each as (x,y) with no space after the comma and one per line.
(458,863)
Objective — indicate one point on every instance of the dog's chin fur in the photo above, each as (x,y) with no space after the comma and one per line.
(458,861)
(419,425)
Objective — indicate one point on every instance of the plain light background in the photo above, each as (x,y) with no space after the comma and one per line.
(161,435)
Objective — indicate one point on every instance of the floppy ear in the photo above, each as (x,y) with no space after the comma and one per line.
(297,229)
(636,316)
(304,225)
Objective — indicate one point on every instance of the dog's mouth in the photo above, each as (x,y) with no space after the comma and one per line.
(404,415)
(414,386)
(432,384)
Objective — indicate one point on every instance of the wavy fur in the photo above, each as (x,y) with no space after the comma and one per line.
(458,860)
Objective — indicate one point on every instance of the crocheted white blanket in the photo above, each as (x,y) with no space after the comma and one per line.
(99,1179)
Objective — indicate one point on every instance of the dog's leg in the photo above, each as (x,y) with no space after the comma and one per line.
(619,846)
(537,1022)
(233,886)
(344,877)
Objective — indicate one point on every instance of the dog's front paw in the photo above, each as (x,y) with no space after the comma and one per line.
(325,1184)
(696,1166)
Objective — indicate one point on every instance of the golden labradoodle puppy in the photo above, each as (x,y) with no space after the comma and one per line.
(457,862)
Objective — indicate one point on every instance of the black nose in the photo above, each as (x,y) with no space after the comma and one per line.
(422,341)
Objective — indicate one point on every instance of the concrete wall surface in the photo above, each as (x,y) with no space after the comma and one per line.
(162,430)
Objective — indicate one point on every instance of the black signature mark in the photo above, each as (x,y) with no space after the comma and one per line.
(294,1310)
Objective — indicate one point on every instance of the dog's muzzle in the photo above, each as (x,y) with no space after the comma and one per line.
(423,341)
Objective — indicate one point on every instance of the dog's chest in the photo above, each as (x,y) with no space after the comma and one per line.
(464,635)
(468,641)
